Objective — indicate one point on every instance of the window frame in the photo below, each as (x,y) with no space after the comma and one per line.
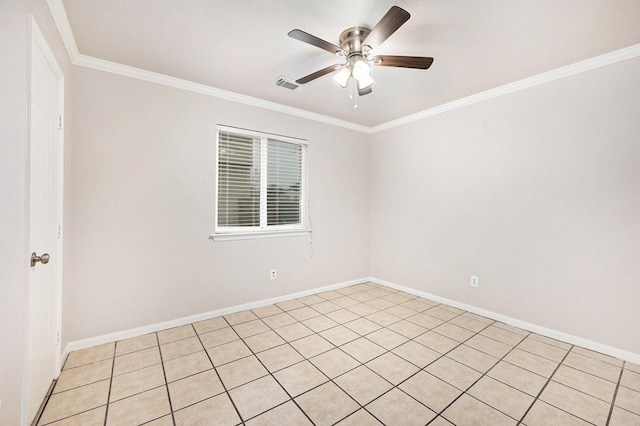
(263,230)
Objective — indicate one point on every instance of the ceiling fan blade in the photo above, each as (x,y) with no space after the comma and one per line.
(315,41)
(419,62)
(388,25)
(365,91)
(318,74)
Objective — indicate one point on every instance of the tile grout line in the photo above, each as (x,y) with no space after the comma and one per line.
(164,374)
(226,391)
(44,403)
(412,339)
(615,393)
(368,337)
(435,360)
(269,371)
(423,368)
(362,364)
(113,366)
(162,361)
(386,350)
(253,353)
(459,314)
(130,372)
(329,379)
(464,392)
(485,374)
(584,372)
(545,386)
(307,359)
(54,384)
(138,369)
(549,379)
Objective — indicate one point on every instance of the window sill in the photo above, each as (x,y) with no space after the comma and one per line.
(257,235)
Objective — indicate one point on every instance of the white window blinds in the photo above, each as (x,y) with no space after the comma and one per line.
(261,184)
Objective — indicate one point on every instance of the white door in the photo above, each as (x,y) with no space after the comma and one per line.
(46,92)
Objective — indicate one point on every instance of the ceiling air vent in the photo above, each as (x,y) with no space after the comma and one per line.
(287,83)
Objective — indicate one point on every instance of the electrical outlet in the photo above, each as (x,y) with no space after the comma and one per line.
(274,274)
(474,281)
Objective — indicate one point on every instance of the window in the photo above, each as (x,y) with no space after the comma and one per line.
(261,187)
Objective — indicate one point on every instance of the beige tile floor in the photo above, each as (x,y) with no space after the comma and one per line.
(361,355)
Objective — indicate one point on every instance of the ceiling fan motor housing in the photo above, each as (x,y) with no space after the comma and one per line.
(351,41)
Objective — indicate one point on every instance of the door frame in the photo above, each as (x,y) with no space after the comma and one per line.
(36,40)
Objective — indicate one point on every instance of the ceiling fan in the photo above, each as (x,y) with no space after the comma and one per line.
(356,45)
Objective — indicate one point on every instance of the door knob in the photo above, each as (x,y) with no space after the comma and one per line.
(35,259)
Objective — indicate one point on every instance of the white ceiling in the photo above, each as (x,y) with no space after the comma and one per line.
(242,45)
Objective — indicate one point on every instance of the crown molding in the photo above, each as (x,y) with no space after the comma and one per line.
(557,74)
(64,28)
(178,83)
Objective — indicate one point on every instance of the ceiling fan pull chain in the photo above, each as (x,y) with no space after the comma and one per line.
(355,106)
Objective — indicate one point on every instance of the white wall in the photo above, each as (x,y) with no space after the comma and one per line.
(13,181)
(536,192)
(142,208)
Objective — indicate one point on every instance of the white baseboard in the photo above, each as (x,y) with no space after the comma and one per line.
(554,334)
(152,328)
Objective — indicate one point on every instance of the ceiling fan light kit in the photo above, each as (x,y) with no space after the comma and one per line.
(360,69)
(356,45)
(342,77)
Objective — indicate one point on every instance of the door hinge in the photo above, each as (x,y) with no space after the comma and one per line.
(57,337)
(60,122)
(59,231)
